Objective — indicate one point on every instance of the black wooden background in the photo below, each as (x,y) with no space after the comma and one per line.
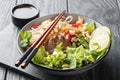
(106,12)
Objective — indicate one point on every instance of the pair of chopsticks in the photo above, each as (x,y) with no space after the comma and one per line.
(31,51)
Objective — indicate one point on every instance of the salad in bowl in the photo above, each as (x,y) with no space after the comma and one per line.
(73,43)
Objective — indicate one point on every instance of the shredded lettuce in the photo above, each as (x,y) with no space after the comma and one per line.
(81,56)
(71,58)
(56,59)
(39,57)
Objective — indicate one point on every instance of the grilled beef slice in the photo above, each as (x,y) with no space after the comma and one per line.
(51,44)
(65,43)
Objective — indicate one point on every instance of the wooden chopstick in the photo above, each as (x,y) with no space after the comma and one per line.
(31,51)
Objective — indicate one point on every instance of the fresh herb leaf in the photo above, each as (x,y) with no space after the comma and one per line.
(83,41)
(26,36)
(24,43)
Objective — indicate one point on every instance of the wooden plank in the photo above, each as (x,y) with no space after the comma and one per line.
(45,9)
(118,3)
(13,76)
(4,21)
(107,13)
(2,73)
(5,8)
(52,7)
(116,61)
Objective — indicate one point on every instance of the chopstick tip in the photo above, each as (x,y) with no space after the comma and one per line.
(17,63)
(23,65)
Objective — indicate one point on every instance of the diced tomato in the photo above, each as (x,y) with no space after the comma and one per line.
(68,37)
(34,27)
(75,25)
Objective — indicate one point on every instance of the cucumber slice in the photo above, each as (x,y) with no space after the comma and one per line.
(103,29)
(100,39)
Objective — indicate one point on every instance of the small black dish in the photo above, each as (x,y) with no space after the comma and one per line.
(23,13)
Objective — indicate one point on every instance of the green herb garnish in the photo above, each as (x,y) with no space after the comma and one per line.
(83,41)
(26,36)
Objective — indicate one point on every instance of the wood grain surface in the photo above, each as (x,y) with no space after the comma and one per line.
(2,73)
(5,7)
(10,74)
(106,12)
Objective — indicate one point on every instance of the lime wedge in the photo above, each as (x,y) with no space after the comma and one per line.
(100,39)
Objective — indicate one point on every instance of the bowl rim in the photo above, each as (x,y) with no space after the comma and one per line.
(23,5)
(65,70)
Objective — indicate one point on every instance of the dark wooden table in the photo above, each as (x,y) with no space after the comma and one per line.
(106,12)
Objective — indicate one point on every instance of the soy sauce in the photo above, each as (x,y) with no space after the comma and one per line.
(25,12)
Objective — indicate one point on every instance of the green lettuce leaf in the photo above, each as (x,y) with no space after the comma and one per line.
(90,27)
(72,60)
(72,57)
(39,57)
(55,60)
(78,56)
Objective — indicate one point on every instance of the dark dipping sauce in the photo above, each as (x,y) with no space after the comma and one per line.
(25,12)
